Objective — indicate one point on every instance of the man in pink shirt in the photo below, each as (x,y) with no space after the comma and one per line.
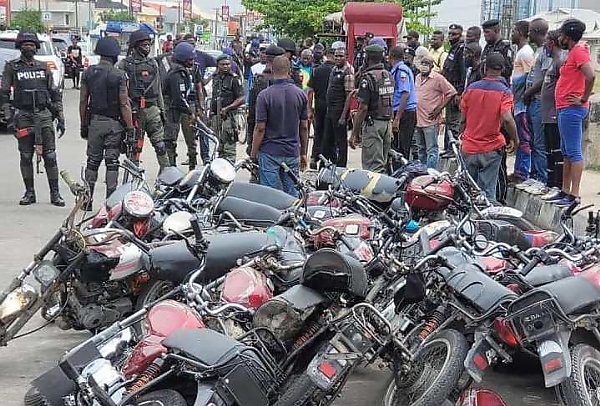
(434,92)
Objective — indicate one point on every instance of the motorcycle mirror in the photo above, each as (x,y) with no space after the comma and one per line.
(480,242)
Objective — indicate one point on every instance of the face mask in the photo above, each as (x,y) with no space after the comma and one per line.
(144,50)
(28,53)
(189,64)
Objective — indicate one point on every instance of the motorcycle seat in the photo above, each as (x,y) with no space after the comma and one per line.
(253,192)
(249,212)
(542,275)
(573,294)
(204,345)
(174,262)
(170,176)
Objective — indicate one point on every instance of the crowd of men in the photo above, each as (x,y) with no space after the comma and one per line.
(402,98)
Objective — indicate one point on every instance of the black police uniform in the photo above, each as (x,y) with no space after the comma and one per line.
(104,83)
(226,90)
(36,101)
(454,71)
(178,86)
(319,82)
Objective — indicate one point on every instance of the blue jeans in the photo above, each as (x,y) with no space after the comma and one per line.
(427,145)
(484,168)
(539,165)
(570,125)
(523,152)
(271,173)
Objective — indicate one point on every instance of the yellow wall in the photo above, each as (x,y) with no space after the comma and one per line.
(144,18)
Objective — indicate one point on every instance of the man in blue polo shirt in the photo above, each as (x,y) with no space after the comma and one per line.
(281,130)
(404,102)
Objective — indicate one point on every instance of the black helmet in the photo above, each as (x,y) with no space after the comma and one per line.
(184,51)
(138,36)
(287,44)
(25,36)
(107,46)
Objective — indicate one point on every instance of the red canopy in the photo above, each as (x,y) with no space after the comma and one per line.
(372,13)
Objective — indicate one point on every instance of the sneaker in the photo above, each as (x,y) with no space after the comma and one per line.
(565,201)
(525,184)
(552,193)
(537,189)
(561,195)
(514,179)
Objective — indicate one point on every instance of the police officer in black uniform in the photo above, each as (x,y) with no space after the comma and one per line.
(37,104)
(105,112)
(454,71)
(495,43)
(289,46)
(178,86)
(145,92)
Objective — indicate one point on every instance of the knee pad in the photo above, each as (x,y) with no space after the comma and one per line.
(26,157)
(92,164)
(50,159)
(160,148)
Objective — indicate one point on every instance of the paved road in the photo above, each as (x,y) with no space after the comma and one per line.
(23,230)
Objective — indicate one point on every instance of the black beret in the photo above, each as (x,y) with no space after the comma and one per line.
(274,50)
(455,27)
(490,23)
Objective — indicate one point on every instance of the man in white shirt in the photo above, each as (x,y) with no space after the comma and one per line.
(260,66)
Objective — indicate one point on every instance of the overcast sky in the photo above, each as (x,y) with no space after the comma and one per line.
(209,5)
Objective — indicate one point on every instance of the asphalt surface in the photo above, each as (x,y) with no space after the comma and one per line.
(23,230)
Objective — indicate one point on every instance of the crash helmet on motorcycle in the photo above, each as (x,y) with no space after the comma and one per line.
(138,36)
(288,45)
(26,36)
(184,51)
(108,46)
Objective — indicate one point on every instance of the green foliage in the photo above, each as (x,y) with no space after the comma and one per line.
(297,19)
(116,15)
(30,20)
(417,13)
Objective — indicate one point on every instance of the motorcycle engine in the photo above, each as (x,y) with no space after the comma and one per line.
(97,305)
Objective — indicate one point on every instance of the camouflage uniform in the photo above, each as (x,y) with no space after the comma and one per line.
(226,90)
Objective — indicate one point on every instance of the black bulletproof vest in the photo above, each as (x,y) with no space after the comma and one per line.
(222,87)
(336,91)
(144,80)
(381,103)
(103,82)
(168,93)
(30,79)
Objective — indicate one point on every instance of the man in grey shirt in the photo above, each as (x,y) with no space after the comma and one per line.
(538,29)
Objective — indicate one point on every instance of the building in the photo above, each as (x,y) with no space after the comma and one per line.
(59,14)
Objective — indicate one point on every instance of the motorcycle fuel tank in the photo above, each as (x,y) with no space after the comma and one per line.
(353,225)
(428,193)
(246,286)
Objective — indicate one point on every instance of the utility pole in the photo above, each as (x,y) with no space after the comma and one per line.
(76,13)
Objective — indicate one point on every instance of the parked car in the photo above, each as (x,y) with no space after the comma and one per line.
(46,53)
(6,54)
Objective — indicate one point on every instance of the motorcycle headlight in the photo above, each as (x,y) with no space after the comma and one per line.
(222,170)
(45,273)
(16,302)
(138,204)
(178,222)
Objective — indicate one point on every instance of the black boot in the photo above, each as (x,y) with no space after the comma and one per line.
(29,196)
(90,177)
(55,197)
(192,162)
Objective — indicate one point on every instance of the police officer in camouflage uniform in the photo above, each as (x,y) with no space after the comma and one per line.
(227,96)
(289,47)
(495,43)
(145,93)
(176,91)
(375,94)
(105,113)
(36,101)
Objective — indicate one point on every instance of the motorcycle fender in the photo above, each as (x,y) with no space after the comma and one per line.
(332,363)
(205,394)
(478,358)
(555,357)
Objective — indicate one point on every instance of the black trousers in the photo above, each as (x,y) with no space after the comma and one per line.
(403,139)
(554,157)
(320,117)
(335,141)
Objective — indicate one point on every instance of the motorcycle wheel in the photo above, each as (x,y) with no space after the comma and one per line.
(435,382)
(33,397)
(164,397)
(152,291)
(298,393)
(583,386)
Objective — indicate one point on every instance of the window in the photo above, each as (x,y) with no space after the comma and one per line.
(67,20)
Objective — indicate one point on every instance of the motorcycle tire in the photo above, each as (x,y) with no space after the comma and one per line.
(152,291)
(585,359)
(164,397)
(33,397)
(298,392)
(437,391)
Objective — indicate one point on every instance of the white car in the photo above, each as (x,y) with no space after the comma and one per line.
(46,53)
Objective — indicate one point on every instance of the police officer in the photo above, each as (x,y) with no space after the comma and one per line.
(145,93)
(495,43)
(375,94)
(36,101)
(104,110)
(454,71)
(227,96)
(178,86)
(289,46)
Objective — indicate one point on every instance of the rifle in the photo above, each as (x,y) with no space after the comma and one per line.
(134,143)
(37,130)
(218,118)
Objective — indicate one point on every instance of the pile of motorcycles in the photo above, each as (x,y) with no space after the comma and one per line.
(210,292)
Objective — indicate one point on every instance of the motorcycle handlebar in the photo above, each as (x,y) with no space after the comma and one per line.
(76,188)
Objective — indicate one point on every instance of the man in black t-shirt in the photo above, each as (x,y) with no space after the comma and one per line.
(75,59)
(317,103)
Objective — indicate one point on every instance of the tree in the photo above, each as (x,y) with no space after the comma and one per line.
(30,20)
(116,15)
(298,19)
(418,13)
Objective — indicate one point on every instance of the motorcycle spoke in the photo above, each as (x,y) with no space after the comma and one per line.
(591,373)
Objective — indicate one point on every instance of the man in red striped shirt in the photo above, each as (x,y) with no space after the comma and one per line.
(487,107)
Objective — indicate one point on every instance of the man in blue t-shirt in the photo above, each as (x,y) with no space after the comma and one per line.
(404,102)
(281,129)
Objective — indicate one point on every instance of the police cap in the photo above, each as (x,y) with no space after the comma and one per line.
(495,61)
(287,44)
(573,28)
(378,41)
(455,27)
(107,46)
(374,49)
(184,51)
(223,57)
(25,36)
(490,24)
(138,36)
(274,50)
